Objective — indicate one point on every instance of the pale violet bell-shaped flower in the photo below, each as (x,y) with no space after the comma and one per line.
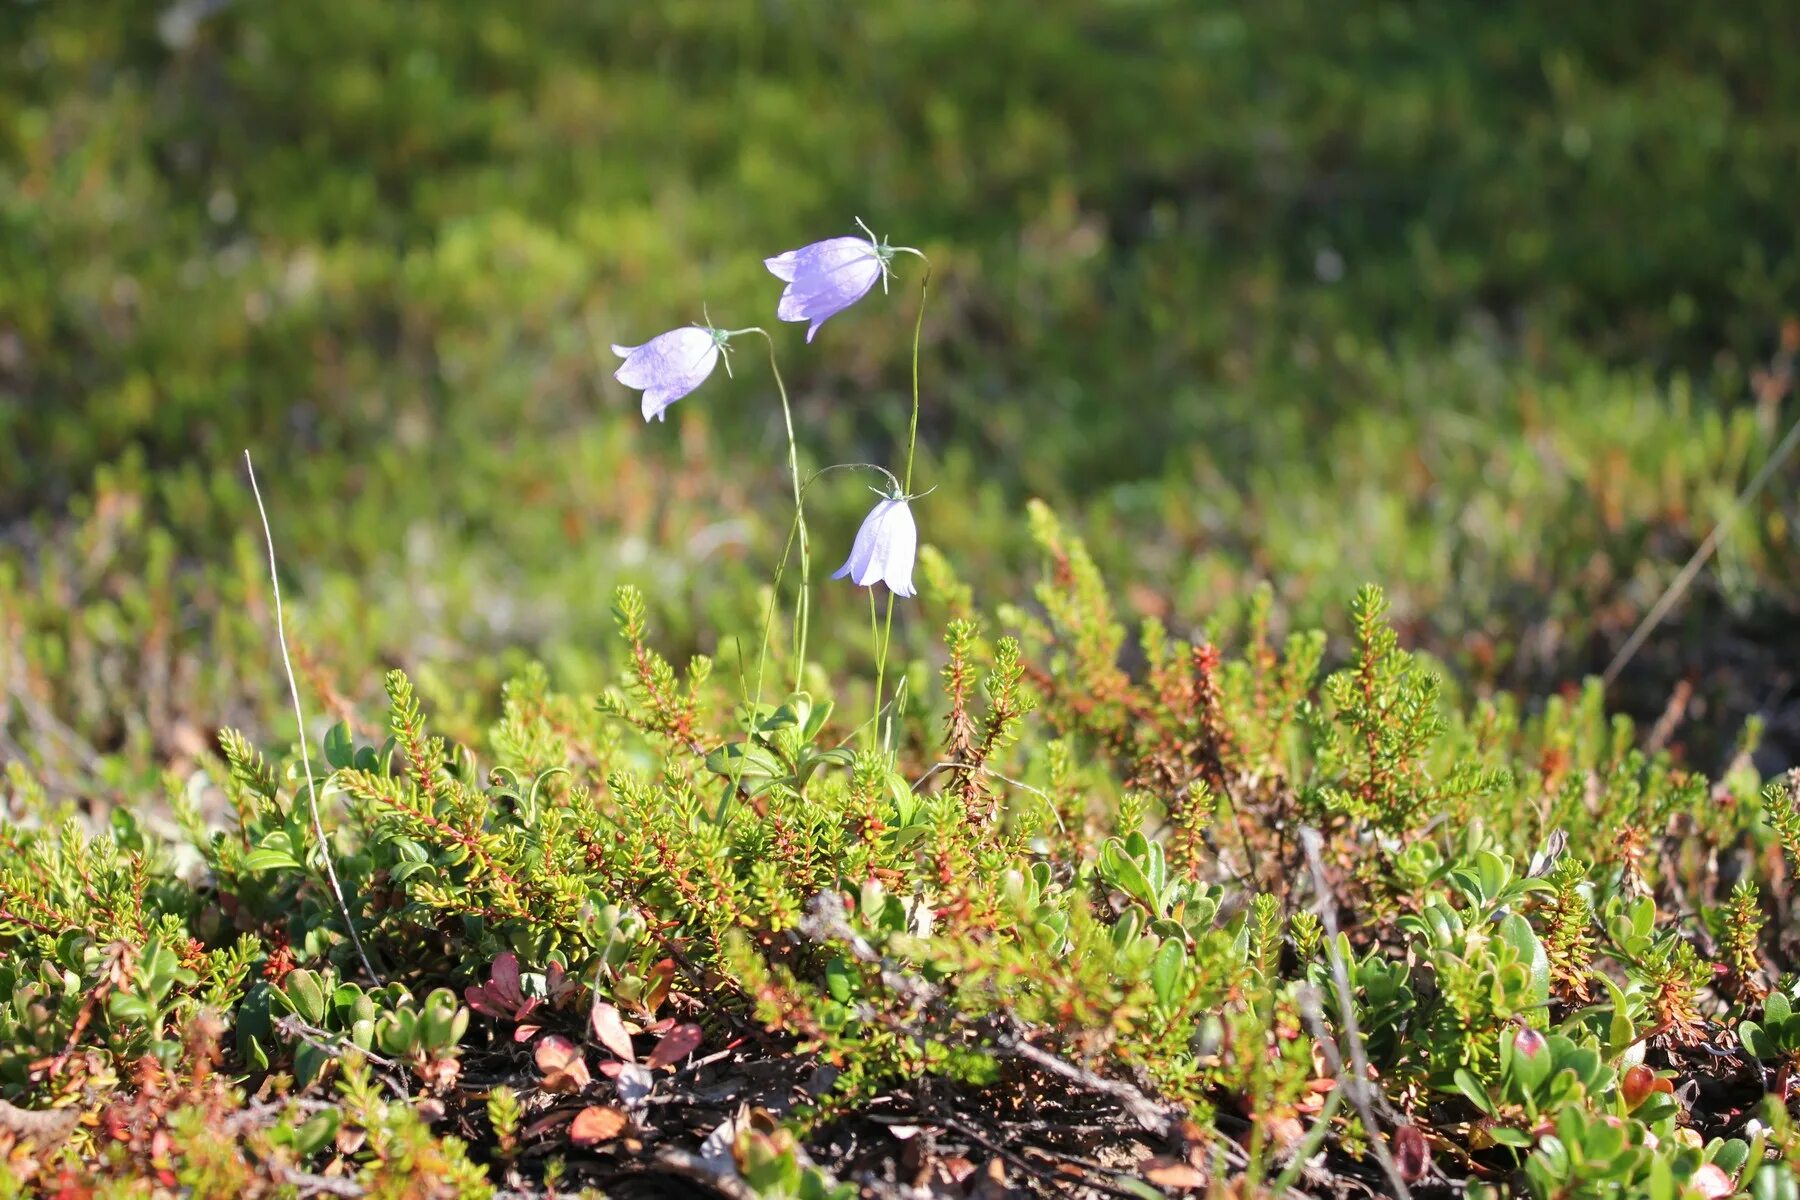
(827,277)
(670,365)
(884,549)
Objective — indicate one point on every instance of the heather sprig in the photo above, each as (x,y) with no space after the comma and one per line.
(1569,940)
(1743,943)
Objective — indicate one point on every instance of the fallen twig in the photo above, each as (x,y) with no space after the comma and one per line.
(339,1047)
(1146,1112)
(46,1127)
(323,1185)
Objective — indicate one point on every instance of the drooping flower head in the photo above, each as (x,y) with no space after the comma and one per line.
(885,547)
(670,365)
(827,277)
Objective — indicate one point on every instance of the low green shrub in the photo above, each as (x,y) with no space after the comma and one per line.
(1062,876)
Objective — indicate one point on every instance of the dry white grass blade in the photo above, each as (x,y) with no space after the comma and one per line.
(312,792)
(1679,585)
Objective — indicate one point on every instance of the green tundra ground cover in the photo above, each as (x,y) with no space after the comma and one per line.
(1235,311)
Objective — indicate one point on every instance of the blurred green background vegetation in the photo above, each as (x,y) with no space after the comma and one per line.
(1483,303)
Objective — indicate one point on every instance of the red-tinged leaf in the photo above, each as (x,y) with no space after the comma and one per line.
(1284,1130)
(506,976)
(609,1027)
(555,1053)
(477,999)
(1636,1085)
(565,1070)
(611,1069)
(662,1026)
(1712,1182)
(1412,1155)
(681,1041)
(568,1082)
(595,1124)
(525,1033)
(662,977)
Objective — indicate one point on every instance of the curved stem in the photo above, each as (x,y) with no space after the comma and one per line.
(803,603)
(912,434)
(912,446)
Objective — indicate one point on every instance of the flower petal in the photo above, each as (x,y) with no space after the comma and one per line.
(685,354)
(824,278)
(842,284)
(832,254)
(828,295)
(657,401)
(901,547)
(880,523)
(885,548)
(856,566)
(782,266)
(668,366)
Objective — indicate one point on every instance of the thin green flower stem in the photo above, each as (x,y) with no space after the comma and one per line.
(762,653)
(880,665)
(803,603)
(912,446)
(912,433)
(753,710)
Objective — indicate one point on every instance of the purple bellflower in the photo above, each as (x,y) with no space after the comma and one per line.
(827,277)
(884,548)
(670,365)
